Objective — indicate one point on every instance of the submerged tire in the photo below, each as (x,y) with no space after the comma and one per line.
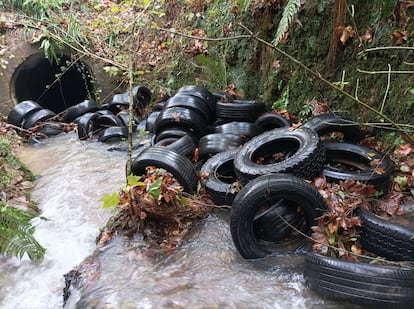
(351,161)
(271,192)
(79,109)
(297,152)
(21,111)
(386,239)
(162,157)
(84,125)
(103,120)
(113,134)
(362,283)
(36,117)
(221,183)
(52,128)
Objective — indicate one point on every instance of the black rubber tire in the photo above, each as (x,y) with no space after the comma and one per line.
(84,125)
(151,121)
(223,96)
(193,103)
(202,93)
(113,134)
(272,121)
(332,122)
(377,286)
(124,117)
(222,183)
(103,120)
(361,158)
(120,99)
(268,191)
(184,146)
(242,128)
(51,129)
(386,239)
(142,98)
(211,144)
(142,126)
(164,142)
(158,106)
(21,111)
(181,117)
(303,153)
(240,110)
(176,132)
(79,109)
(119,102)
(36,117)
(162,157)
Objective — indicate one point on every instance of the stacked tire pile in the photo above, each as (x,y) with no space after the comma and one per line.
(109,122)
(258,164)
(106,123)
(28,114)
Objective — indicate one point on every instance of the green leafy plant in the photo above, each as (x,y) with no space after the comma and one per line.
(283,102)
(401,181)
(214,70)
(16,234)
(289,13)
(410,100)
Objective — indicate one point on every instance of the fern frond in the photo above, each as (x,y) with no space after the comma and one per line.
(289,13)
(215,70)
(244,4)
(16,234)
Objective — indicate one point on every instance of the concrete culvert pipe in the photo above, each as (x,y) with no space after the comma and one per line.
(55,85)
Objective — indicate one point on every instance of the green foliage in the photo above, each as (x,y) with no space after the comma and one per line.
(155,189)
(401,181)
(410,100)
(48,46)
(244,4)
(110,200)
(7,156)
(283,102)
(38,9)
(214,70)
(391,140)
(289,13)
(16,234)
(133,180)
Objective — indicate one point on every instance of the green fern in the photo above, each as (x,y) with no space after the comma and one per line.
(244,4)
(214,70)
(289,13)
(16,234)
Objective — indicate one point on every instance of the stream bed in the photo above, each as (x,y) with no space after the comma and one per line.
(205,272)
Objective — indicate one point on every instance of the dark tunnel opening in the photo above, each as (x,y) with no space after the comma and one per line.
(54,85)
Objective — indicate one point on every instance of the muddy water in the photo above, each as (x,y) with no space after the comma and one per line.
(206,272)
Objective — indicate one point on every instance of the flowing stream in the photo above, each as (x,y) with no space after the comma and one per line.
(205,272)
